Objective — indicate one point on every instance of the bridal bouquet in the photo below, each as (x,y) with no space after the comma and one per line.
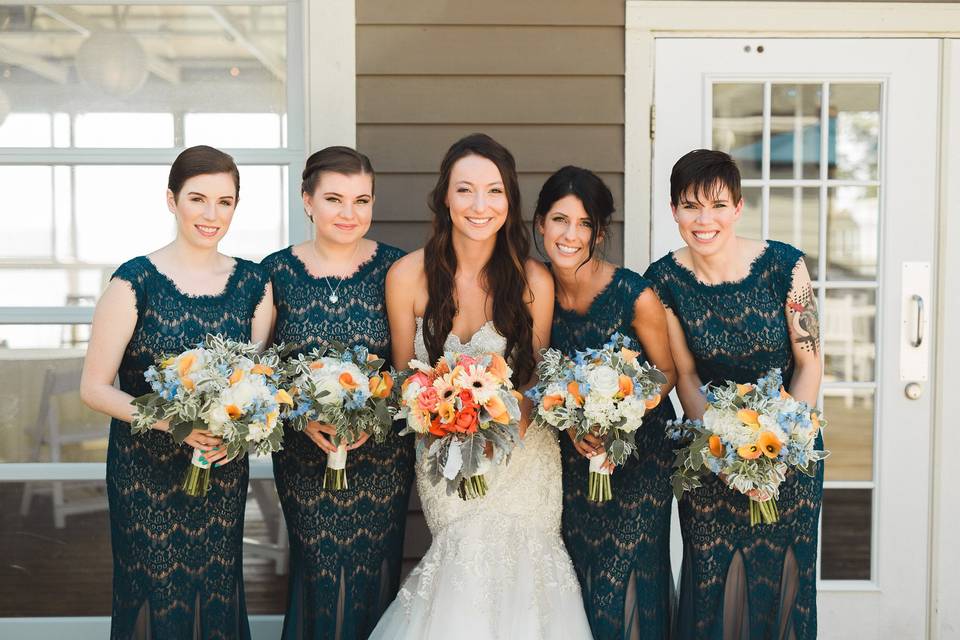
(344,387)
(750,435)
(604,392)
(222,386)
(461,408)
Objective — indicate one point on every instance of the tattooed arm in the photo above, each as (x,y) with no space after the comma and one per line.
(803,322)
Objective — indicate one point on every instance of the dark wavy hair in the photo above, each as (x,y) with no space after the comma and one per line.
(590,190)
(504,275)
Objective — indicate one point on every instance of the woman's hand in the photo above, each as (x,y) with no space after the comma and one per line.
(210,446)
(363,438)
(754,494)
(589,447)
(316,430)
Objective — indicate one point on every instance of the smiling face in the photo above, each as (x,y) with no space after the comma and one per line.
(566,230)
(341,207)
(707,220)
(204,208)
(476,198)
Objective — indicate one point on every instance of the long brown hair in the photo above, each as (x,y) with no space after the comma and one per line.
(504,275)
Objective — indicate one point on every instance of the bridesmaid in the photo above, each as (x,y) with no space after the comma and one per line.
(621,548)
(177,560)
(345,546)
(736,309)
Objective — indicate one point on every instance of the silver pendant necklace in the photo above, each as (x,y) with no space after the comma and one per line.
(333,297)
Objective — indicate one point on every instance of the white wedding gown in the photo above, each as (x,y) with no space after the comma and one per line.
(497,568)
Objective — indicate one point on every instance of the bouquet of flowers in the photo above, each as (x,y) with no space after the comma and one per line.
(604,392)
(750,435)
(344,387)
(461,408)
(222,386)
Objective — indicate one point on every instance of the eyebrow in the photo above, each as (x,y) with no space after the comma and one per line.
(491,184)
(340,195)
(203,195)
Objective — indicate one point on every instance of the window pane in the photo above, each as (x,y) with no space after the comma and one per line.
(795,218)
(848,328)
(105,215)
(752,216)
(163,60)
(233,130)
(845,539)
(795,131)
(855,131)
(74,561)
(124,130)
(853,225)
(43,418)
(849,433)
(738,124)
(27,211)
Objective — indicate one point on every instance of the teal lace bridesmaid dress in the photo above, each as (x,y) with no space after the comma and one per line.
(177,560)
(738,581)
(621,548)
(346,546)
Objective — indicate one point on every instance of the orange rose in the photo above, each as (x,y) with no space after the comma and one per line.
(428,399)
(437,428)
(347,381)
(625,385)
(498,367)
(262,369)
(466,421)
(716,447)
(551,401)
(381,385)
(497,410)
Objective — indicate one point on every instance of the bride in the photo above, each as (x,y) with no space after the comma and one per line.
(497,567)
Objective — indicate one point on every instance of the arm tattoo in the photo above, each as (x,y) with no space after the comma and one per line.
(806,322)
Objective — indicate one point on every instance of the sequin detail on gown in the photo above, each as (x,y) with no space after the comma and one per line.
(177,560)
(346,547)
(621,548)
(496,567)
(736,580)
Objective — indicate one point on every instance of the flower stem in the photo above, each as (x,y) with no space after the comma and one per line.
(473,487)
(335,479)
(598,487)
(196,482)
(765,512)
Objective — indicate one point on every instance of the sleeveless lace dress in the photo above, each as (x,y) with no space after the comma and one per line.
(497,568)
(621,548)
(737,581)
(177,560)
(346,547)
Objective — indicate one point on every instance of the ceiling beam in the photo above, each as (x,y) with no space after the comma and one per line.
(273,64)
(55,72)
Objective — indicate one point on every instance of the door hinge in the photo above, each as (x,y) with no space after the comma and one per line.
(653,120)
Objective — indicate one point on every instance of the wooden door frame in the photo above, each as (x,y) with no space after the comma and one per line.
(647,20)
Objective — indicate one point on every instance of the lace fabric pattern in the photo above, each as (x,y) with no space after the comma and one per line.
(177,559)
(346,546)
(497,566)
(737,331)
(621,548)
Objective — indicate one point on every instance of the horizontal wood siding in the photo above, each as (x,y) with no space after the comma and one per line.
(543,77)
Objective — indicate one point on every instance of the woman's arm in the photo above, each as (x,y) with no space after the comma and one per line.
(694,403)
(803,323)
(114,321)
(650,325)
(261,329)
(404,279)
(540,305)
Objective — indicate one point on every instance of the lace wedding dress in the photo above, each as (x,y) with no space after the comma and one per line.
(497,568)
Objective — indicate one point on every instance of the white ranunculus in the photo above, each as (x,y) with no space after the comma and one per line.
(603,380)
(600,410)
(633,409)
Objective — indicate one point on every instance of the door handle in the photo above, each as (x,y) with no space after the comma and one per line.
(918,340)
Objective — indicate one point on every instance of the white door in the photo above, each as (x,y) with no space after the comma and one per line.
(837,143)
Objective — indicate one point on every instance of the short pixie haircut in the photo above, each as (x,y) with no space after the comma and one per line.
(703,173)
